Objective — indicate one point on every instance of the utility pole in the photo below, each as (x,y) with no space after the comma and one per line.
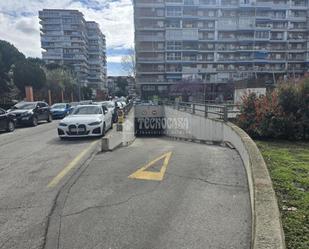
(79,93)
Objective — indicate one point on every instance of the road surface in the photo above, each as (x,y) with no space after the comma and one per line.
(155,194)
(30,158)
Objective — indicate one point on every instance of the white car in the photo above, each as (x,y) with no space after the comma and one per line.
(124,104)
(85,121)
(110,105)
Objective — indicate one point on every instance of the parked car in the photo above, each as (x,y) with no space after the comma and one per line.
(111,106)
(31,113)
(7,121)
(124,104)
(119,105)
(73,105)
(85,102)
(60,110)
(85,121)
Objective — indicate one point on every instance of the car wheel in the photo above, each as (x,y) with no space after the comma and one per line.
(35,121)
(11,126)
(103,130)
(50,118)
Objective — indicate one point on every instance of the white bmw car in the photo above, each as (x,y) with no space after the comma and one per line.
(85,121)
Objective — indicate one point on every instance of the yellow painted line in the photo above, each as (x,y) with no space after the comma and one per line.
(70,166)
(150,175)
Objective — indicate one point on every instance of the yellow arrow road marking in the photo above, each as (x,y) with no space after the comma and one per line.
(150,175)
(70,166)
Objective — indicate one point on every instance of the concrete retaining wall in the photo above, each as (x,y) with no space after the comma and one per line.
(267,231)
(116,138)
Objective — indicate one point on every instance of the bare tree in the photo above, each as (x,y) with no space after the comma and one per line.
(128,63)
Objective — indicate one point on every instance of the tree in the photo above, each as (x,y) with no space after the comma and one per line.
(121,86)
(37,61)
(128,63)
(27,73)
(60,79)
(86,92)
(9,55)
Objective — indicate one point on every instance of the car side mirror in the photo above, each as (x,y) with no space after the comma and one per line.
(105,111)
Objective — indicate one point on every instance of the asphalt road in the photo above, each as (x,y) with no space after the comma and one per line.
(30,158)
(155,194)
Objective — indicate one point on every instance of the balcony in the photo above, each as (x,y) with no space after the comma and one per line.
(150,3)
(150,59)
(51,56)
(150,38)
(264,4)
(297,18)
(190,70)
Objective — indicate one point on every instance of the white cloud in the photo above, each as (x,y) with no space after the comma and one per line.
(19,23)
(114,58)
(23,32)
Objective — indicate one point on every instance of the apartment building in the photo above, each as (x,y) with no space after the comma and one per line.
(69,39)
(216,43)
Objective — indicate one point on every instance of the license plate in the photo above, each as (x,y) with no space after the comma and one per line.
(73,129)
(81,129)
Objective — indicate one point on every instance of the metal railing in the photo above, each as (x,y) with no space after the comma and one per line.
(221,111)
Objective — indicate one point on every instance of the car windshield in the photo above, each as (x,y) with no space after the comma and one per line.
(86,110)
(59,106)
(24,106)
(74,103)
(108,104)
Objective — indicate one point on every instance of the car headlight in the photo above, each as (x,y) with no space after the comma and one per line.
(96,123)
(62,124)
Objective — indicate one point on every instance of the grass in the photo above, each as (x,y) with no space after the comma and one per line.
(288,164)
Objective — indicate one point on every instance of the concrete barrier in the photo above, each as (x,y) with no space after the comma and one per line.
(267,230)
(123,137)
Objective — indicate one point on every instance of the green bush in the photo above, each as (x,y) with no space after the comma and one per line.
(281,113)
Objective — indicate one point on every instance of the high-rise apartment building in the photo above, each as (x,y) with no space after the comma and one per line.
(68,39)
(218,42)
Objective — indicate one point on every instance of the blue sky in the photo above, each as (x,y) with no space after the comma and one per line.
(19,25)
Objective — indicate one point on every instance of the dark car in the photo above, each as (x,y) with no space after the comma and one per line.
(60,110)
(31,113)
(7,121)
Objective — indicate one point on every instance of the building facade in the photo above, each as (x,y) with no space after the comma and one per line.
(185,44)
(68,39)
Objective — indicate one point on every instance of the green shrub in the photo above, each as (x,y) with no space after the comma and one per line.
(281,113)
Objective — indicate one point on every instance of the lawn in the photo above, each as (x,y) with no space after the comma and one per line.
(288,164)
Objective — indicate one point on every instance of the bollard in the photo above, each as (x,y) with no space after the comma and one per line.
(225,117)
(120,115)
(193,108)
(206,111)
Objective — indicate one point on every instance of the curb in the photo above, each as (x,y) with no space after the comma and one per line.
(267,231)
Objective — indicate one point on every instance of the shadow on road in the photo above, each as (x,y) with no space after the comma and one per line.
(68,141)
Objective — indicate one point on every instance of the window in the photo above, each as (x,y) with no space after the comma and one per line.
(173,11)
(86,110)
(262,34)
(174,45)
(173,56)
